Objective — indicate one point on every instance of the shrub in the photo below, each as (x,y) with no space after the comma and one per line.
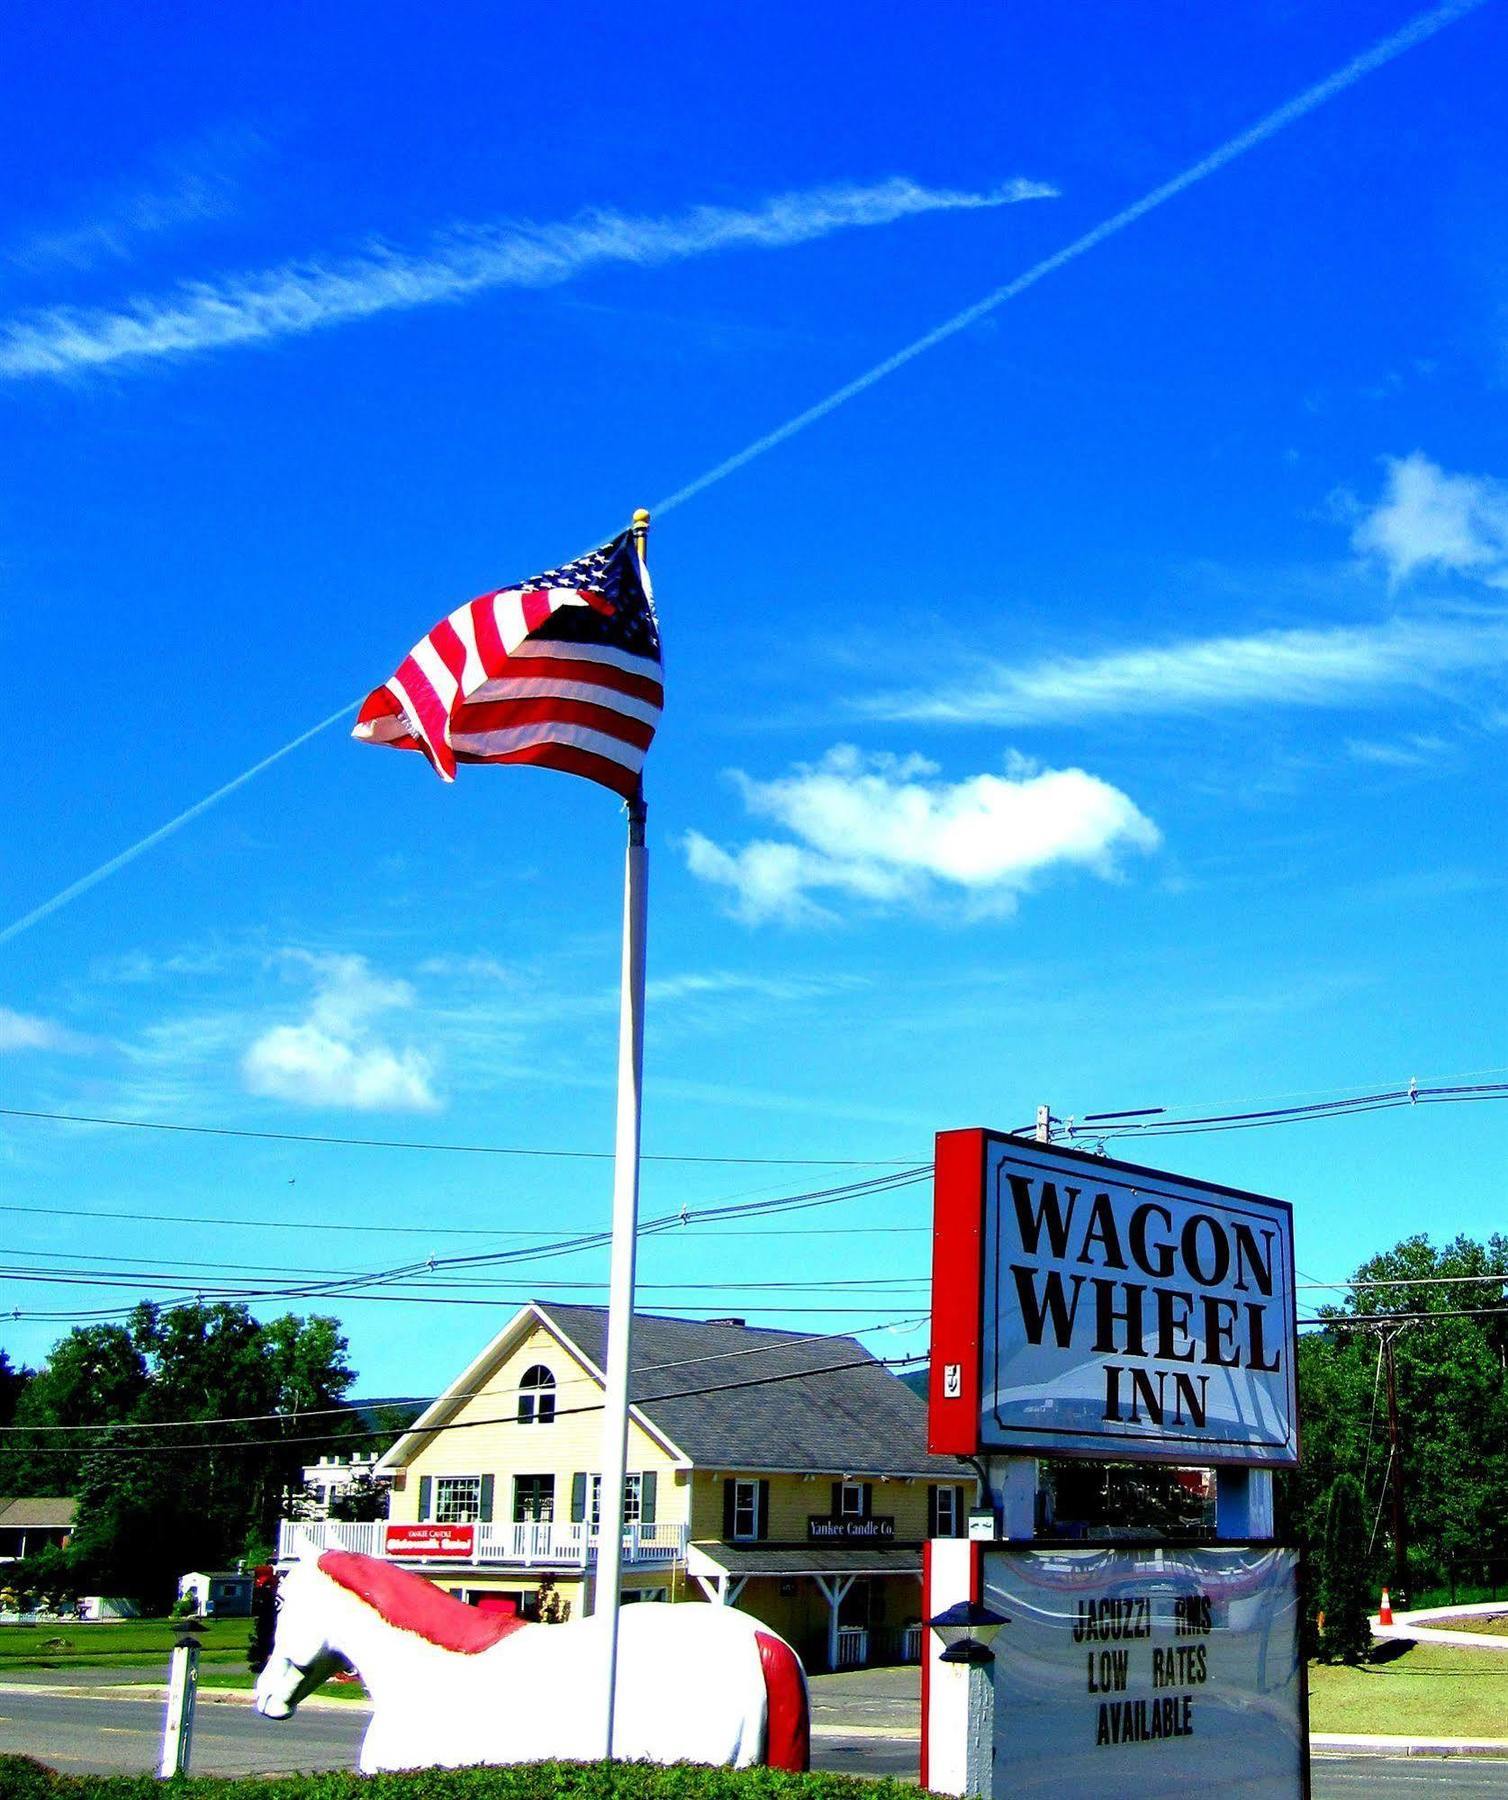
(1346,1591)
(22,1779)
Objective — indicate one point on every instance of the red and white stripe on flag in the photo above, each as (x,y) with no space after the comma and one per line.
(507,679)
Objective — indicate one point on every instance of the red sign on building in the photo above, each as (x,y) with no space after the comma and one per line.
(430,1540)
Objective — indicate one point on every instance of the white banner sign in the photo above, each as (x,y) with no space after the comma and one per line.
(1130,1313)
(1148,1672)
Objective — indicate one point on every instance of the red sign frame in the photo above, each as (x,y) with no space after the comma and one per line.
(429,1541)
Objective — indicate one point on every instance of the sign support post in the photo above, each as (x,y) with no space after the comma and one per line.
(1013,1480)
(183,1687)
(1243,1504)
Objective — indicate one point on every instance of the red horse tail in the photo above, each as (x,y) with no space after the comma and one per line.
(788,1731)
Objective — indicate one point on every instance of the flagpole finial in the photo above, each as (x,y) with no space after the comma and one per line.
(641,521)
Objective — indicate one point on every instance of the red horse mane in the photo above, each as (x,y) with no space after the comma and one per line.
(410,1603)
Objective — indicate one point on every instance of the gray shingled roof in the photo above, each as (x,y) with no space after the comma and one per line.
(44,1513)
(857,1419)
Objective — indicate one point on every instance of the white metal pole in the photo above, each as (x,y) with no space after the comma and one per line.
(178,1728)
(620,1313)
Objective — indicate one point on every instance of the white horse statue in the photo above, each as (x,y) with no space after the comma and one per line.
(452,1686)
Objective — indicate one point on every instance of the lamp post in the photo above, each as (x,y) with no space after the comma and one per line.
(967,1630)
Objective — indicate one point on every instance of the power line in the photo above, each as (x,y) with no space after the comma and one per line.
(1407,1281)
(1382,1101)
(361,1143)
(781,1341)
(170,1272)
(351,1286)
(327,1438)
(1344,1321)
(306,1225)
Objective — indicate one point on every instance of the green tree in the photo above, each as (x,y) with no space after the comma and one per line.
(1445,1310)
(203,1414)
(13,1383)
(94,1376)
(131,1537)
(1346,1593)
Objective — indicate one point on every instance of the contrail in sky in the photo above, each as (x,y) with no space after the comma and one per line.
(85,882)
(1415,32)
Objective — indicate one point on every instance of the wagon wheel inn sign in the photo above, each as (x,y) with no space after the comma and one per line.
(1084,1307)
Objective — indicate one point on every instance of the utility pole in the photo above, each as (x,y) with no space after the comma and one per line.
(1395,1472)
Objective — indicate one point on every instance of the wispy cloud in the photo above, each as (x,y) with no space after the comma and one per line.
(1416,751)
(336,1056)
(298,297)
(1429,519)
(1417,31)
(887,832)
(718,984)
(186,185)
(1310,666)
(25,1031)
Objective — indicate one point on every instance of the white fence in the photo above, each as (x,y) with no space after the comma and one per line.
(528,1545)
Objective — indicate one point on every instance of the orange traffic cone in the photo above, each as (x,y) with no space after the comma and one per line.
(1385,1611)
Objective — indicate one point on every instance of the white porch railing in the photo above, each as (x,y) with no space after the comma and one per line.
(853,1647)
(527,1545)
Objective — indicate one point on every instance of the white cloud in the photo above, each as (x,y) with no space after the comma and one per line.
(1430,519)
(24,1031)
(886,830)
(293,298)
(1308,666)
(182,186)
(723,983)
(1415,751)
(336,1057)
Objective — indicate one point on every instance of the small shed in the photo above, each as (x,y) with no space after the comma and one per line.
(218,1593)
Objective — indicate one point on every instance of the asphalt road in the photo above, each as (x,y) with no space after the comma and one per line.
(852,1734)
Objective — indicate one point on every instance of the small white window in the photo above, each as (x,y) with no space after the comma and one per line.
(745,1509)
(458,1499)
(536,1397)
(633,1500)
(851,1500)
(948,1510)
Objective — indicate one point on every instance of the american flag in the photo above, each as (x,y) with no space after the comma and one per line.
(562,670)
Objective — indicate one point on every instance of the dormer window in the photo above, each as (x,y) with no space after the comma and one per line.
(536,1397)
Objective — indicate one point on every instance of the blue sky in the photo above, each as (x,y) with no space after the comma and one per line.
(1105,707)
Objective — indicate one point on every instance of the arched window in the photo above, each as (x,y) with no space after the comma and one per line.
(536,1396)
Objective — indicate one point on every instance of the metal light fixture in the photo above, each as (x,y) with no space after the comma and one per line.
(967,1630)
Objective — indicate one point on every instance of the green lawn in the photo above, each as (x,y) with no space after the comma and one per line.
(230,1678)
(126,1644)
(1427,1689)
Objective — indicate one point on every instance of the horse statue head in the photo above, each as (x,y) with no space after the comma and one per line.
(302,1656)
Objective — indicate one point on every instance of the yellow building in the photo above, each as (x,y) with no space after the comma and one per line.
(784,1472)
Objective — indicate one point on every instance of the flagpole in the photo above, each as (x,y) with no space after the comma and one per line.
(620,1312)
